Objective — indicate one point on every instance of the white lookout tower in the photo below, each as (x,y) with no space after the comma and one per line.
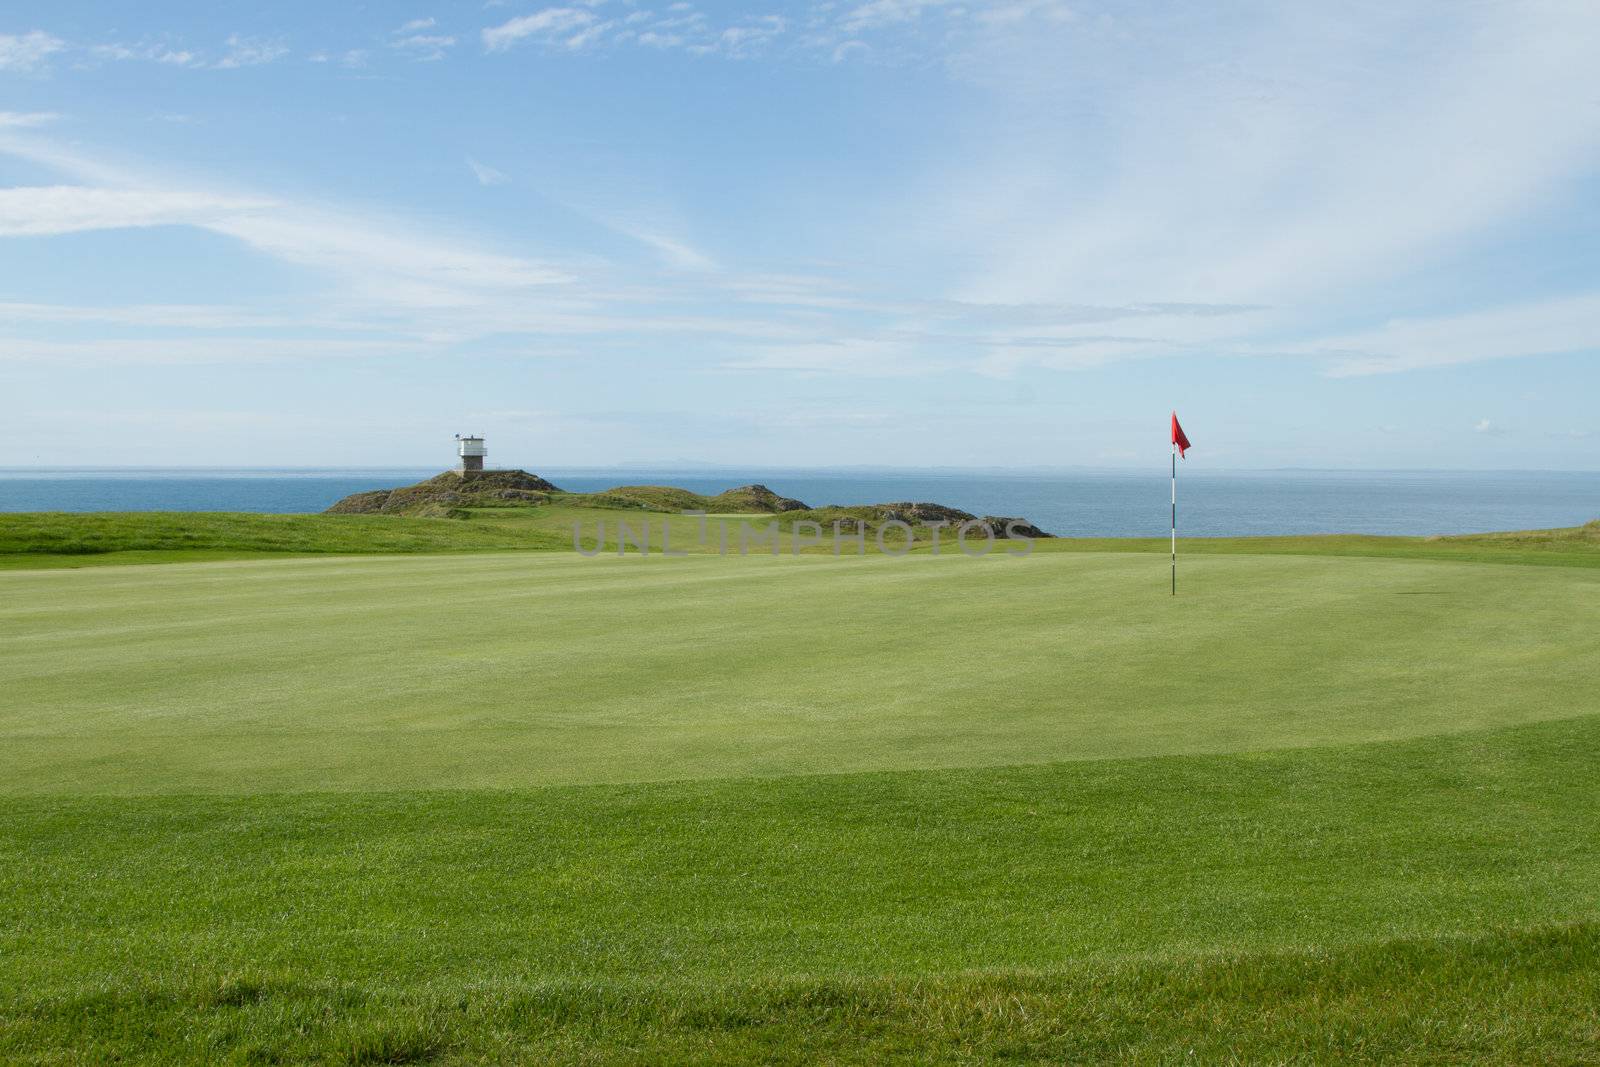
(472,452)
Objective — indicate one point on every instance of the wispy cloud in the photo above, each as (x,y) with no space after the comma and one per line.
(423,46)
(378,258)
(169,351)
(552,22)
(879,13)
(250,52)
(677,254)
(45,210)
(413,39)
(1545,327)
(1315,157)
(679,27)
(1113,198)
(150,52)
(27,51)
(24,120)
(486,174)
(745,39)
(855,357)
(181,316)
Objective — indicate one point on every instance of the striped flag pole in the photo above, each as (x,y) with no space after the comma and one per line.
(1180,447)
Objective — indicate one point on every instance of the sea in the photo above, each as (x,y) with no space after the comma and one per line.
(1070,503)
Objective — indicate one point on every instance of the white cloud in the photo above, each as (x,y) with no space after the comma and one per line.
(386,261)
(677,254)
(652,39)
(576,29)
(380,259)
(181,316)
(250,52)
(170,351)
(153,53)
(1546,327)
(541,24)
(113,51)
(1293,157)
(743,40)
(887,12)
(23,120)
(35,211)
(27,51)
(427,47)
(857,357)
(845,49)
(486,174)
(586,36)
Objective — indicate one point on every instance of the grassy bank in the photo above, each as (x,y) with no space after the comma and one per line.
(54,538)
(1524,996)
(1433,896)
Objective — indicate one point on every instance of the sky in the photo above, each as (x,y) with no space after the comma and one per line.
(893,233)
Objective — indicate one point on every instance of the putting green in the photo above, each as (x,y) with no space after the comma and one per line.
(541,669)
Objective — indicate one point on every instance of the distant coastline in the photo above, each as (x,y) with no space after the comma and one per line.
(1083,503)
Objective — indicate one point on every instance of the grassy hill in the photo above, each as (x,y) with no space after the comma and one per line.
(446,495)
(464,804)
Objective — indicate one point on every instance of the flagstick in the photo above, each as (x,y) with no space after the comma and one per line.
(1174,518)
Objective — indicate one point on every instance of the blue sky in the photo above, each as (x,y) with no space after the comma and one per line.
(894,233)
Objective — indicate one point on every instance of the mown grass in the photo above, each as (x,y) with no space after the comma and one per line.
(1355,902)
(1577,546)
(536,807)
(542,668)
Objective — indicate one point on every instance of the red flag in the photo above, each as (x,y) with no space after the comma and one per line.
(1178,438)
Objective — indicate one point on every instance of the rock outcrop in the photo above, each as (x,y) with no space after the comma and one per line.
(451,490)
(451,494)
(852,517)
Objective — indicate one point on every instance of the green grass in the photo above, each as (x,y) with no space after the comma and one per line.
(1516,997)
(31,540)
(1569,547)
(1434,894)
(548,668)
(528,806)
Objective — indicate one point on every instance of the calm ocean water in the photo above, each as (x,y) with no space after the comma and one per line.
(1075,503)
